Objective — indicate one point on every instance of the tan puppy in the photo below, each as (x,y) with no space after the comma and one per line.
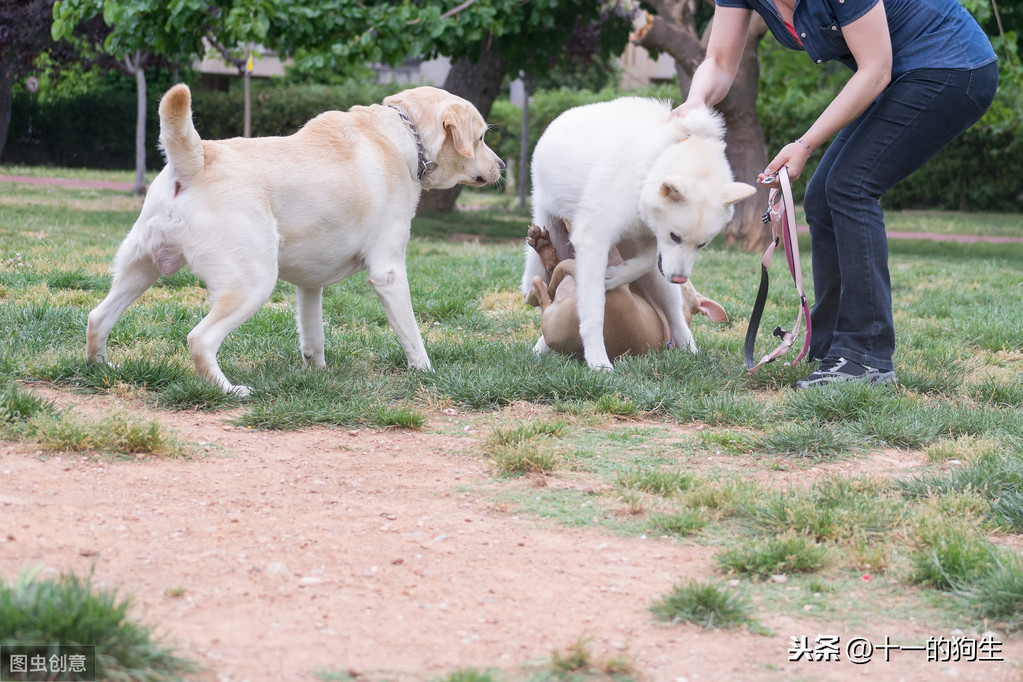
(632,324)
(334,199)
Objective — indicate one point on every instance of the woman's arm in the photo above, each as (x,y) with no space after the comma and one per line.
(714,76)
(870,44)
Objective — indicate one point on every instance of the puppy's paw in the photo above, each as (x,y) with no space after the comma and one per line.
(540,239)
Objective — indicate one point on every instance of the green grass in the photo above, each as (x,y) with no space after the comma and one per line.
(678,446)
(707,604)
(69,611)
(762,558)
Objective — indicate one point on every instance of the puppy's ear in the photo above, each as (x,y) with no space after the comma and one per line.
(712,309)
(672,191)
(458,125)
(737,191)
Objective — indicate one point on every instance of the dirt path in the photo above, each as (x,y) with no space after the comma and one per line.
(385,554)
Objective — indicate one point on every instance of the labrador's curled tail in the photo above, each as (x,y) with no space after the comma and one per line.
(178,138)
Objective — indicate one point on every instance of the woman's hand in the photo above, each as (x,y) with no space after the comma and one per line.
(793,156)
(682,109)
(714,75)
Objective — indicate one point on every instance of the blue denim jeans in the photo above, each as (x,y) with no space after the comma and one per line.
(912,120)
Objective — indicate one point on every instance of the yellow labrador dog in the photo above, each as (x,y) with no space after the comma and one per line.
(627,177)
(633,325)
(334,199)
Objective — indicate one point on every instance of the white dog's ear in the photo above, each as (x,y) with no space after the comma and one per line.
(672,190)
(458,124)
(737,191)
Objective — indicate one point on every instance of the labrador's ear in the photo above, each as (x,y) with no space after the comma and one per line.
(458,125)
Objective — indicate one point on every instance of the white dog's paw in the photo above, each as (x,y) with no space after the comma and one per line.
(541,347)
(421,365)
(618,275)
(599,361)
(240,391)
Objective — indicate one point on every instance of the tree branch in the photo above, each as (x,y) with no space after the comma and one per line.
(447,15)
(237,62)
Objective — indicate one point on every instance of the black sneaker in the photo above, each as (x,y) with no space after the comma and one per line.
(835,370)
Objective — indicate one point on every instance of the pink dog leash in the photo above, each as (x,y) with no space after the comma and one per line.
(780,209)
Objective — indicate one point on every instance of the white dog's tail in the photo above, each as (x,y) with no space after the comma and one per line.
(178,139)
(703,122)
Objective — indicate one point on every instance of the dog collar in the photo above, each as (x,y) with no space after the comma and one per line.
(424,165)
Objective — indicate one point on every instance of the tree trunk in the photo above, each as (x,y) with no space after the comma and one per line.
(137,67)
(527,87)
(6,104)
(247,112)
(673,30)
(747,150)
(480,83)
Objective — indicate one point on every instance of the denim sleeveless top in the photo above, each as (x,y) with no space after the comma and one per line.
(925,34)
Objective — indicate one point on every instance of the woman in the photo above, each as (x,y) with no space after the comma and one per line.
(923,72)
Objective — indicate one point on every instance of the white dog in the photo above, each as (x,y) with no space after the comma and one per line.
(624,175)
(334,199)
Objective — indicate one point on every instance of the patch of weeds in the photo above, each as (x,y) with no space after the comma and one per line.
(840,403)
(963,449)
(633,503)
(536,459)
(1007,511)
(724,498)
(867,552)
(525,449)
(19,406)
(616,406)
(730,409)
(898,429)
(524,433)
(115,434)
(997,595)
(577,662)
(194,393)
(67,610)
(948,553)
(684,523)
(144,372)
(831,511)
(707,604)
(995,476)
(77,280)
(939,373)
(576,659)
(727,442)
(784,554)
(806,441)
(663,483)
(400,417)
(998,394)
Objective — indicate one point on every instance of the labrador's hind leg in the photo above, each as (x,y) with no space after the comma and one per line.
(134,274)
(230,309)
